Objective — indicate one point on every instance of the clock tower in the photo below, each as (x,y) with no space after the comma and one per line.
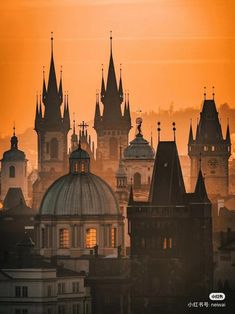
(210,150)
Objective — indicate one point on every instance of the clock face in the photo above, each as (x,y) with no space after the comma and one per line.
(213,163)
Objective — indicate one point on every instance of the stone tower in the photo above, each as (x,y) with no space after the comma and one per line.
(14,170)
(112,125)
(171,239)
(52,130)
(210,149)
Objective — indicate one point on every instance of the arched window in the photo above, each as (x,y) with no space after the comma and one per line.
(12,172)
(113,148)
(54,148)
(64,238)
(76,167)
(137,180)
(91,240)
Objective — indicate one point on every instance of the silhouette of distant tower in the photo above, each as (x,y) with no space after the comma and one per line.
(211,150)
(52,130)
(14,169)
(112,126)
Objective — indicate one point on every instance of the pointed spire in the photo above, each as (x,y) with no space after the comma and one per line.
(128,113)
(102,93)
(66,116)
(111,86)
(44,90)
(60,87)
(120,85)
(159,131)
(190,138)
(40,107)
(200,188)
(52,82)
(97,111)
(228,139)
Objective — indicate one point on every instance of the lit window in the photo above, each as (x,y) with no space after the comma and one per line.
(114,237)
(165,244)
(82,167)
(64,238)
(212,148)
(76,167)
(91,238)
(205,148)
(170,243)
(12,172)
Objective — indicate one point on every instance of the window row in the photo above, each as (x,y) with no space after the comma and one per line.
(61,288)
(64,238)
(21,291)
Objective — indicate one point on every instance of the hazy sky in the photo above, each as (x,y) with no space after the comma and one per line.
(169,49)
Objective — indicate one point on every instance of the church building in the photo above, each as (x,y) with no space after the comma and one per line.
(210,150)
(52,129)
(112,124)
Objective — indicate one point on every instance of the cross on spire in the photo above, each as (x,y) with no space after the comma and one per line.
(111,39)
(83,126)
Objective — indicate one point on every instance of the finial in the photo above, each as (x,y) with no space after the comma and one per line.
(52,38)
(43,72)
(102,69)
(14,129)
(159,131)
(74,123)
(139,123)
(120,69)
(204,92)
(174,129)
(200,161)
(61,68)
(213,93)
(83,126)
(111,38)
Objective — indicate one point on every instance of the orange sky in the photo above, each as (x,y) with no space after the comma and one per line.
(169,50)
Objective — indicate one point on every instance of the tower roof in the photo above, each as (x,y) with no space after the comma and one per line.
(209,129)
(167,186)
(200,188)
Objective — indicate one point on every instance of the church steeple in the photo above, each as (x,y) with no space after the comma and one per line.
(97,111)
(228,139)
(190,138)
(200,189)
(120,89)
(14,139)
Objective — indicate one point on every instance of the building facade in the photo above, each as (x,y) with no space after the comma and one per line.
(52,129)
(210,151)
(171,239)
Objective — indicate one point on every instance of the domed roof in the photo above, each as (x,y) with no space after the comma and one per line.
(14,154)
(79,154)
(139,148)
(80,194)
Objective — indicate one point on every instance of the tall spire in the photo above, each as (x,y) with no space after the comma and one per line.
(228,139)
(131,196)
(120,89)
(97,111)
(44,90)
(102,93)
(60,86)
(200,188)
(190,138)
(52,82)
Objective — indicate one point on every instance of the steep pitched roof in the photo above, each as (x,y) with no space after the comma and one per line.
(209,128)
(167,186)
(13,198)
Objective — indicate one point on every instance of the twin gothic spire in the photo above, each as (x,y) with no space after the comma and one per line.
(52,98)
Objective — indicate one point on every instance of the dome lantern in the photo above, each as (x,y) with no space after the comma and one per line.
(79,161)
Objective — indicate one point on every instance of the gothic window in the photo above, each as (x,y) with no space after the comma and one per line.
(64,238)
(54,151)
(114,237)
(113,148)
(12,172)
(137,180)
(91,240)
(83,167)
(165,244)
(212,148)
(205,148)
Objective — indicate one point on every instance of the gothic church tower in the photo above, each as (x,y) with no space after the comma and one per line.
(211,150)
(52,130)
(112,125)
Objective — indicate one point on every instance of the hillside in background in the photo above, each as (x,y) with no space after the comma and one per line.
(28,139)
